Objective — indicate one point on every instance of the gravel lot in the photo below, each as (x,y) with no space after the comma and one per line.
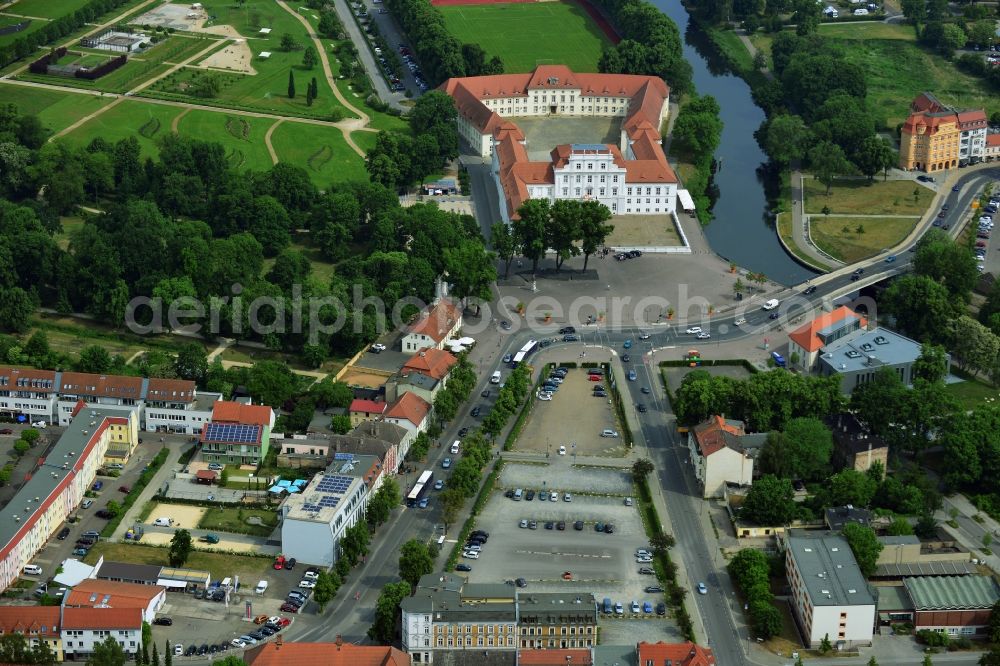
(573,417)
(562,475)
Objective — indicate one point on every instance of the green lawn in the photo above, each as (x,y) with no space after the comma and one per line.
(731,44)
(321,151)
(972,393)
(230,519)
(56,110)
(528,34)
(897,71)
(242,136)
(14,36)
(146,122)
(859,197)
(868,31)
(880,233)
(51,9)
(219,565)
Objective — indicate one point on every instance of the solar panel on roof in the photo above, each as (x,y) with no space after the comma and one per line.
(232,432)
(334,484)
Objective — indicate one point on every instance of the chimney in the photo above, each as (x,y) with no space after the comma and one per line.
(277,642)
(339,642)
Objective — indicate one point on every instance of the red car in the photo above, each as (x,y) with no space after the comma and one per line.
(594,378)
(289,608)
(124,489)
(279,562)
(6,431)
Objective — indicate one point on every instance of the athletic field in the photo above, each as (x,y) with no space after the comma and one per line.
(530,33)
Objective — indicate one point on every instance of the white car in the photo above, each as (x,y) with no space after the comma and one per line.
(470,554)
(740,321)
(39,424)
(703,336)
(556,380)
(236,643)
(274,619)
(545,397)
(307,584)
(694,330)
(644,559)
(378,348)
(311,575)
(562,450)
(553,496)
(178,650)
(644,336)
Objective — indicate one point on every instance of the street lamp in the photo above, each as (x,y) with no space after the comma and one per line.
(249,480)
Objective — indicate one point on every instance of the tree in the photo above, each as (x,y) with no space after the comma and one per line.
(769,502)
(382,503)
(806,17)
(698,129)
(331,393)
(21,447)
(530,228)
(952,38)
(824,645)
(113,508)
(230,660)
(452,502)
(932,364)
(865,546)
(919,305)
(434,114)
(192,362)
(309,58)
(107,653)
(504,245)
(899,527)
(94,359)
(873,661)
(802,451)
(271,382)
(291,85)
(288,42)
(471,270)
(325,588)
(167,654)
(915,10)
(383,629)
(641,468)
(180,548)
(947,263)
(341,424)
(329,25)
(593,230)
(661,543)
(874,155)
(16,308)
(354,545)
(786,138)
(850,486)
(975,345)
(991,658)
(827,160)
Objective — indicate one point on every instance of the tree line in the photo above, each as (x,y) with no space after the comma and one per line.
(58,28)
(567,227)
(186,224)
(697,132)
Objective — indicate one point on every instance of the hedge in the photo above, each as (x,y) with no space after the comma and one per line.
(41,66)
(616,399)
(137,488)
(102,69)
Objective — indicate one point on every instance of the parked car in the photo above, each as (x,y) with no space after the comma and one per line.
(163,621)
(63,533)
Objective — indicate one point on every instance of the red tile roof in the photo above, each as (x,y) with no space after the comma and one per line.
(928,114)
(806,336)
(27,378)
(410,407)
(558,657)
(102,618)
(359,406)
(105,386)
(431,361)
(677,654)
(993,139)
(207,474)
(237,412)
(711,435)
(437,322)
(279,653)
(92,593)
(30,620)
(170,390)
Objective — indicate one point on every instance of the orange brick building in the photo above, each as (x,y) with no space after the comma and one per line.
(936,137)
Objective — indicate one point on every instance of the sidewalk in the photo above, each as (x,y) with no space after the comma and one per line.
(971,541)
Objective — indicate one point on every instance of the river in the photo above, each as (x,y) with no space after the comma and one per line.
(740,231)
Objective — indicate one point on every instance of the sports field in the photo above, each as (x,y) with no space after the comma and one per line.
(528,34)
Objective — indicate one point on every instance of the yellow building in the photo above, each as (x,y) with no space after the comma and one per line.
(38,624)
(936,137)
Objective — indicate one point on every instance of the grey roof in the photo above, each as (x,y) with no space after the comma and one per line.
(418,379)
(893,598)
(902,539)
(379,430)
(487,591)
(850,435)
(829,571)
(553,608)
(951,592)
(944,568)
(58,466)
(851,354)
(441,580)
(614,655)
(128,571)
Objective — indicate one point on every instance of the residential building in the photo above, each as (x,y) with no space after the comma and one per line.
(829,596)
(675,654)
(841,343)
(175,405)
(337,653)
(631,177)
(556,620)
(126,572)
(722,452)
(83,628)
(447,614)
(38,624)
(314,521)
(936,136)
(412,413)
(57,487)
(168,405)
(956,605)
(381,439)
(239,433)
(854,445)
(440,322)
(94,593)
(365,410)
(425,373)
(556,657)
(838,517)
(992,146)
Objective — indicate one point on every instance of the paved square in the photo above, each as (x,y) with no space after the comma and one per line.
(574,418)
(546,132)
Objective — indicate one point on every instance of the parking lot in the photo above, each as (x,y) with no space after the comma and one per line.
(574,418)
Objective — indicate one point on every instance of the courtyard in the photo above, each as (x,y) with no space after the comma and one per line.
(543,133)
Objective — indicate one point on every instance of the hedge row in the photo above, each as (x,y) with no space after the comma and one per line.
(102,69)
(137,488)
(616,400)
(23,47)
(41,66)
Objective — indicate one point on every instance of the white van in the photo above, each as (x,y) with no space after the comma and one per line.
(261,587)
(770,305)
(861,12)
(163,522)
(495,378)
(518,494)
(454,447)
(32,570)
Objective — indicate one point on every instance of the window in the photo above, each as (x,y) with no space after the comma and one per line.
(602,177)
(565,191)
(590,179)
(602,192)
(578,178)
(578,191)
